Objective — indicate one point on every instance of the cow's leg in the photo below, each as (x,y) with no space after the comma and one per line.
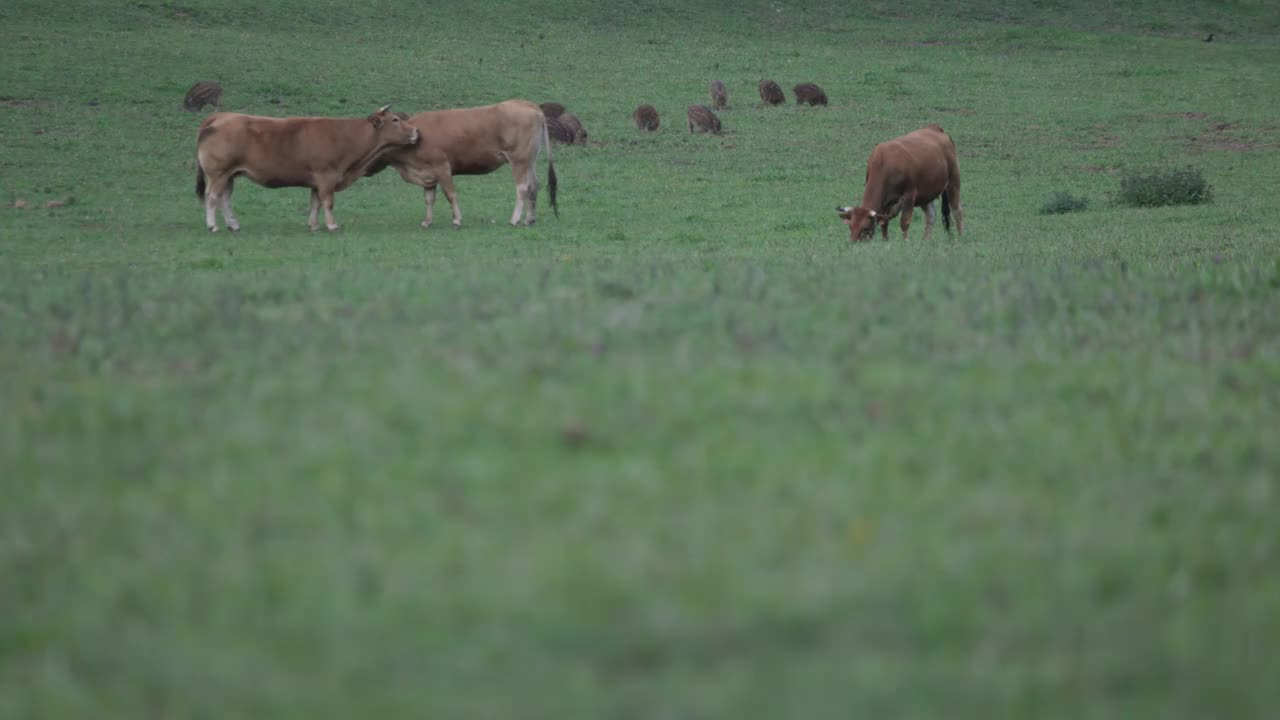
(326,199)
(211,210)
(429,199)
(953,193)
(521,173)
(229,217)
(451,194)
(531,196)
(928,220)
(213,191)
(315,210)
(908,209)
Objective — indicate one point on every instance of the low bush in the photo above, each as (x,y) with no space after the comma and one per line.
(1063,202)
(1179,186)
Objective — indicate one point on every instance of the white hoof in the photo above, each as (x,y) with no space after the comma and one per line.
(332,228)
(424,224)
(457,225)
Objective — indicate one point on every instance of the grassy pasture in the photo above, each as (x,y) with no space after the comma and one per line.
(684,452)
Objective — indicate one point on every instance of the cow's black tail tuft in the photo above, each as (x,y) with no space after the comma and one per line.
(946,213)
(199,181)
(551,187)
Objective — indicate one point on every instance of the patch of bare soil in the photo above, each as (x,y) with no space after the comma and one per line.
(1229,137)
(14,102)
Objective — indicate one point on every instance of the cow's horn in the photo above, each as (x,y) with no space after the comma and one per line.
(841,209)
(384,108)
(872,213)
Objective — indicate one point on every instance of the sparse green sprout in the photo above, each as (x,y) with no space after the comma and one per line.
(1063,202)
(1179,186)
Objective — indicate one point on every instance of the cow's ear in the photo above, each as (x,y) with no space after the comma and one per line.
(376,119)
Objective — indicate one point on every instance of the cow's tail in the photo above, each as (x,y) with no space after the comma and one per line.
(946,210)
(551,167)
(200,185)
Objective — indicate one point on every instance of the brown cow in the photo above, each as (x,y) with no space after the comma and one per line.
(905,173)
(719,95)
(477,141)
(324,154)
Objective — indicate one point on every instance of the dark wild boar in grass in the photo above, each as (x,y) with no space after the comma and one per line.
(771,93)
(702,120)
(719,95)
(567,129)
(809,94)
(202,94)
(645,117)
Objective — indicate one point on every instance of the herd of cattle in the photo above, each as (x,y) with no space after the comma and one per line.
(327,155)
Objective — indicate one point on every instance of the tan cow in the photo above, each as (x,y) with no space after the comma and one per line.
(477,141)
(324,154)
(905,173)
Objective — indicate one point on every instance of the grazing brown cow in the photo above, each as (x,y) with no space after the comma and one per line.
(809,93)
(552,110)
(701,119)
(477,141)
(905,173)
(645,117)
(719,95)
(770,93)
(324,154)
(201,94)
(567,129)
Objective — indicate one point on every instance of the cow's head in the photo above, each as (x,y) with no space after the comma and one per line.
(861,221)
(393,128)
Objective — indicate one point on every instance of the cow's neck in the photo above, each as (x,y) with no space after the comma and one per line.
(375,149)
(873,197)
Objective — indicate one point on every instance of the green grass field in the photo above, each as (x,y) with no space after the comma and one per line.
(684,452)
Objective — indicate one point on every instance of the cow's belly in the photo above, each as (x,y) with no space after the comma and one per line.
(277,180)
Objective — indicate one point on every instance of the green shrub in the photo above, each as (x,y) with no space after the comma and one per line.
(1181,186)
(1063,202)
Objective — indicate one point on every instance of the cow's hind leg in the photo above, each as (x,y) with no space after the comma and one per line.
(953,194)
(531,196)
(928,220)
(213,198)
(451,194)
(521,173)
(229,217)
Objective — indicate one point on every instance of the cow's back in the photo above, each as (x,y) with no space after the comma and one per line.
(479,140)
(920,161)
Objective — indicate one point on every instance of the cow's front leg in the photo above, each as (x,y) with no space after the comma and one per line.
(905,222)
(315,210)
(429,199)
(928,220)
(326,199)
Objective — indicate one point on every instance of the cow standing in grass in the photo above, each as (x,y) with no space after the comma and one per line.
(324,154)
(905,173)
(477,141)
